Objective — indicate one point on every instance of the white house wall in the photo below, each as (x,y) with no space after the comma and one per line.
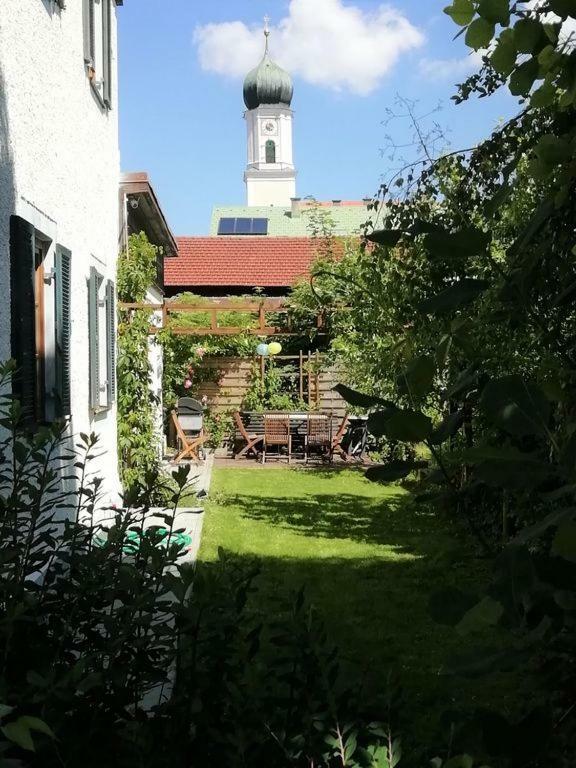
(60,171)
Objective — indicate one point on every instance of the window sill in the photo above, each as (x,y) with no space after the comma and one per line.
(91,72)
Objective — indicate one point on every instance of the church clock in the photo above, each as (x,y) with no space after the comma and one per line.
(269,127)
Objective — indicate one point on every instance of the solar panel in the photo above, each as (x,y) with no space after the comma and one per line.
(226,226)
(259,226)
(242,226)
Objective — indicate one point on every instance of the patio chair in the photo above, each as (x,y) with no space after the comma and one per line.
(337,438)
(252,439)
(189,422)
(277,432)
(319,435)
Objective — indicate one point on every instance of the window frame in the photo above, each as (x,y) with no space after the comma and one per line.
(97,22)
(270,145)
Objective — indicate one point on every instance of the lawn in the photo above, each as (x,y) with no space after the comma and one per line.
(369,557)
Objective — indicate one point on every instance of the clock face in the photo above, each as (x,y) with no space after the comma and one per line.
(269,127)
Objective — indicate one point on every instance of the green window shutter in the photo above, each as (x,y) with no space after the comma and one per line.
(107,52)
(111,341)
(63,329)
(88,25)
(23,315)
(94,338)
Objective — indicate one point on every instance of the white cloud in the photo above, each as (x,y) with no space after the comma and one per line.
(444,69)
(325,42)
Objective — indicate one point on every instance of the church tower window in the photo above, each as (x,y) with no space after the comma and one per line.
(270,151)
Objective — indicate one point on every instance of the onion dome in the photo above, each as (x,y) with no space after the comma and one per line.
(267,83)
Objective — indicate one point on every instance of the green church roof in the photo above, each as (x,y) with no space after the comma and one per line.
(347,218)
(267,84)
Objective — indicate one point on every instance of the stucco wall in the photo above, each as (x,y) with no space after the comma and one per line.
(65,174)
(269,183)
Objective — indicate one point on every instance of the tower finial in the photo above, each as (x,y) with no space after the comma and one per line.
(266,31)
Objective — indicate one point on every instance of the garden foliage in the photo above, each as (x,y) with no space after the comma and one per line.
(115,652)
(463,291)
(138,440)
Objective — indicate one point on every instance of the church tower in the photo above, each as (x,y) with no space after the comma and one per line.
(270,175)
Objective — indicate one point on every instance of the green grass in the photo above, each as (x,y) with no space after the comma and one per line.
(369,558)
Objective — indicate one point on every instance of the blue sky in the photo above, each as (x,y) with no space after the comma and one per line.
(181,92)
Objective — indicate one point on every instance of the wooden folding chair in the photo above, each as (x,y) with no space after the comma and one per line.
(337,438)
(319,434)
(189,423)
(277,432)
(252,439)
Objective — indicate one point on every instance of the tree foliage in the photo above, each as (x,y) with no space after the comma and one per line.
(460,311)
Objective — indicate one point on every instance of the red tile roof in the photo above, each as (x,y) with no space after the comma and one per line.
(242,261)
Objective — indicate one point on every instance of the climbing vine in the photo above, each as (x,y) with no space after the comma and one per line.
(137,438)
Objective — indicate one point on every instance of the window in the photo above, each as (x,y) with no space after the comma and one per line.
(98,47)
(270,151)
(40,324)
(242,226)
(101,341)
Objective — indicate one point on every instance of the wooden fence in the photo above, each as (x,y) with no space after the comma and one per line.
(312,381)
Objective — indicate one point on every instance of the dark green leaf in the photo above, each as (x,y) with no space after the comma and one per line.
(518,407)
(459,761)
(479,34)
(466,381)
(495,11)
(461,12)
(466,242)
(377,421)
(484,614)
(553,150)
(19,733)
(528,33)
(358,399)
(550,521)
(35,724)
(503,59)
(543,96)
(564,544)
(523,77)
(387,237)
(448,428)
(417,379)
(395,470)
(563,8)
(408,426)
(458,295)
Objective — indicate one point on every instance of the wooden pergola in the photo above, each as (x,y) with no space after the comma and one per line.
(260,310)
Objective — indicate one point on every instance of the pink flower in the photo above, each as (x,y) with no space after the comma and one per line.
(200,351)
(187,384)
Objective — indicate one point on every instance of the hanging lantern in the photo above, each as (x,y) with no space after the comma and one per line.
(262,350)
(274,348)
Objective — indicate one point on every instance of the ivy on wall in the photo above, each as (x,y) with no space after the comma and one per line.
(137,439)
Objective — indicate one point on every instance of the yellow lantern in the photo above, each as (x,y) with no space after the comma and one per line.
(274,348)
